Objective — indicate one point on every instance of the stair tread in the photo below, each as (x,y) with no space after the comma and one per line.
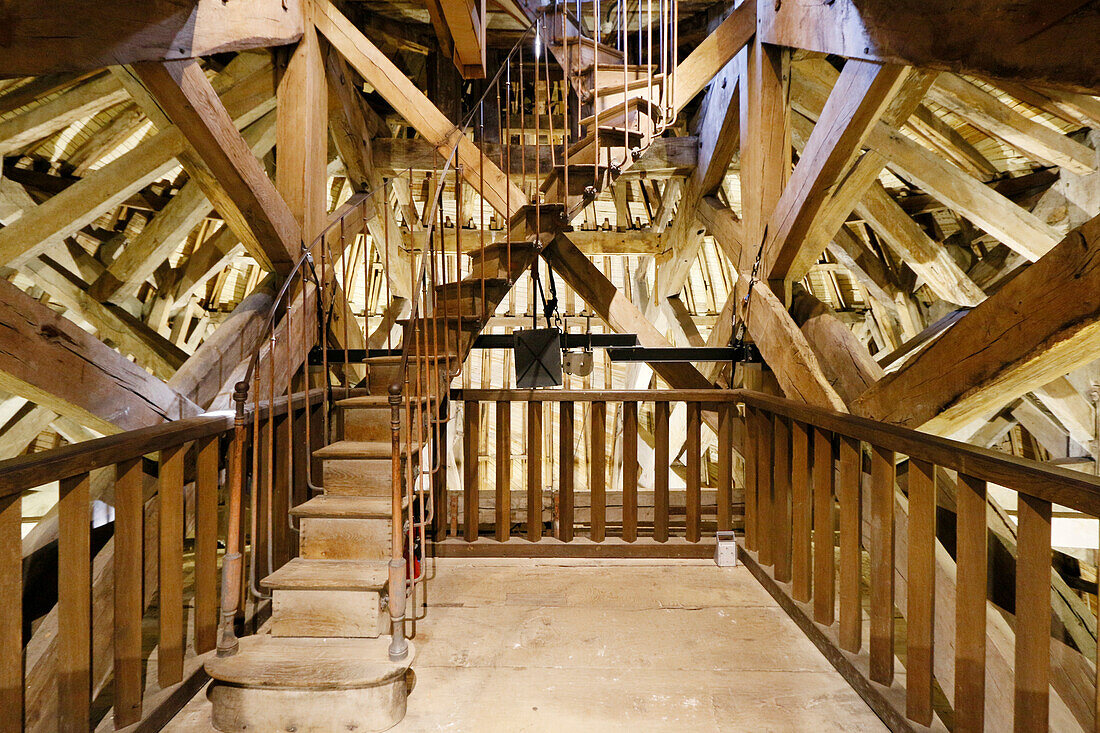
(341,506)
(301,663)
(303,574)
(356,449)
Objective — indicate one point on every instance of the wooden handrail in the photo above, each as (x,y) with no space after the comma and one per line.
(596,395)
(1040,480)
(23,472)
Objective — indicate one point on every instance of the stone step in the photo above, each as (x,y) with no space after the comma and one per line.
(319,598)
(295,684)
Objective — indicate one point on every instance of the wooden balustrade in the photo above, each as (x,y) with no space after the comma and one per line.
(806,473)
(190,453)
(555,511)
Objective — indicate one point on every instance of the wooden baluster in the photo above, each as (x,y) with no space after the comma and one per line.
(882,565)
(597,481)
(439,481)
(129,513)
(725,465)
(801,511)
(765,438)
(74,604)
(206,544)
(565,468)
(851,521)
(781,499)
(11,621)
(1032,708)
(534,471)
(630,471)
(170,488)
(751,511)
(971,577)
(660,471)
(693,497)
(824,521)
(921,593)
(471,435)
(280,492)
(504,470)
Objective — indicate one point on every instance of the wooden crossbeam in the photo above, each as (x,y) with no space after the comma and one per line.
(1039,326)
(87,380)
(1032,41)
(71,35)
(42,120)
(191,103)
(854,107)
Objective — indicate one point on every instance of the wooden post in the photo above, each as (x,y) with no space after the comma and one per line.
(660,471)
(801,510)
(971,556)
(824,519)
(129,515)
(471,438)
(851,525)
(534,471)
(725,466)
(921,592)
(597,466)
(11,621)
(74,605)
(170,488)
(1032,708)
(781,499)
(882,565)
(206,544)
(752,512)
(566,469)
(693,498)
(764,479)
(504,470)
(630,471)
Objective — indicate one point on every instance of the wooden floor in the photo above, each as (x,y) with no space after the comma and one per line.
(543,645)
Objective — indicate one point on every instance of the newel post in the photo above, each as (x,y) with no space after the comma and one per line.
(231,563)
(399,647)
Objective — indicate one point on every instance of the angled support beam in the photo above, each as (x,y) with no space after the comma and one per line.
(854,107)
(189,101)
(412,104)
(465,21)
(87,380)
(82,101)
(1041,325)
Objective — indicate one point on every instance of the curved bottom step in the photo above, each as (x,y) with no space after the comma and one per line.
(305,685)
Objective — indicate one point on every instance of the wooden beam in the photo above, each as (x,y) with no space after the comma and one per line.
(160,237)
(854,107)
(1038,327)
(348,125)
(466,21)
(985,111)
(71,35)
(42,120)
(400,92)
(87,381)
(191,103)
(713,53)
(209,258)
(1033,41)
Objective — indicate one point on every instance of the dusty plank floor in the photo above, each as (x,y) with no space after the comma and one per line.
(525,645)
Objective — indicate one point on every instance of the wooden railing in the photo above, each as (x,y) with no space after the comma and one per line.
(805,474)
(567,514)
(192,456)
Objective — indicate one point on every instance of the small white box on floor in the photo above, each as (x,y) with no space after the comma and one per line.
(725,550)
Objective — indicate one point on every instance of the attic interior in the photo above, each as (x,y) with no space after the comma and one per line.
(423,366)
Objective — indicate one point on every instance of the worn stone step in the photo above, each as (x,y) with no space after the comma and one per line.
(319,598)
(296,684)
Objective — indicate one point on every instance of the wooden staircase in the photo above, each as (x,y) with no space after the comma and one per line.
(323,664)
